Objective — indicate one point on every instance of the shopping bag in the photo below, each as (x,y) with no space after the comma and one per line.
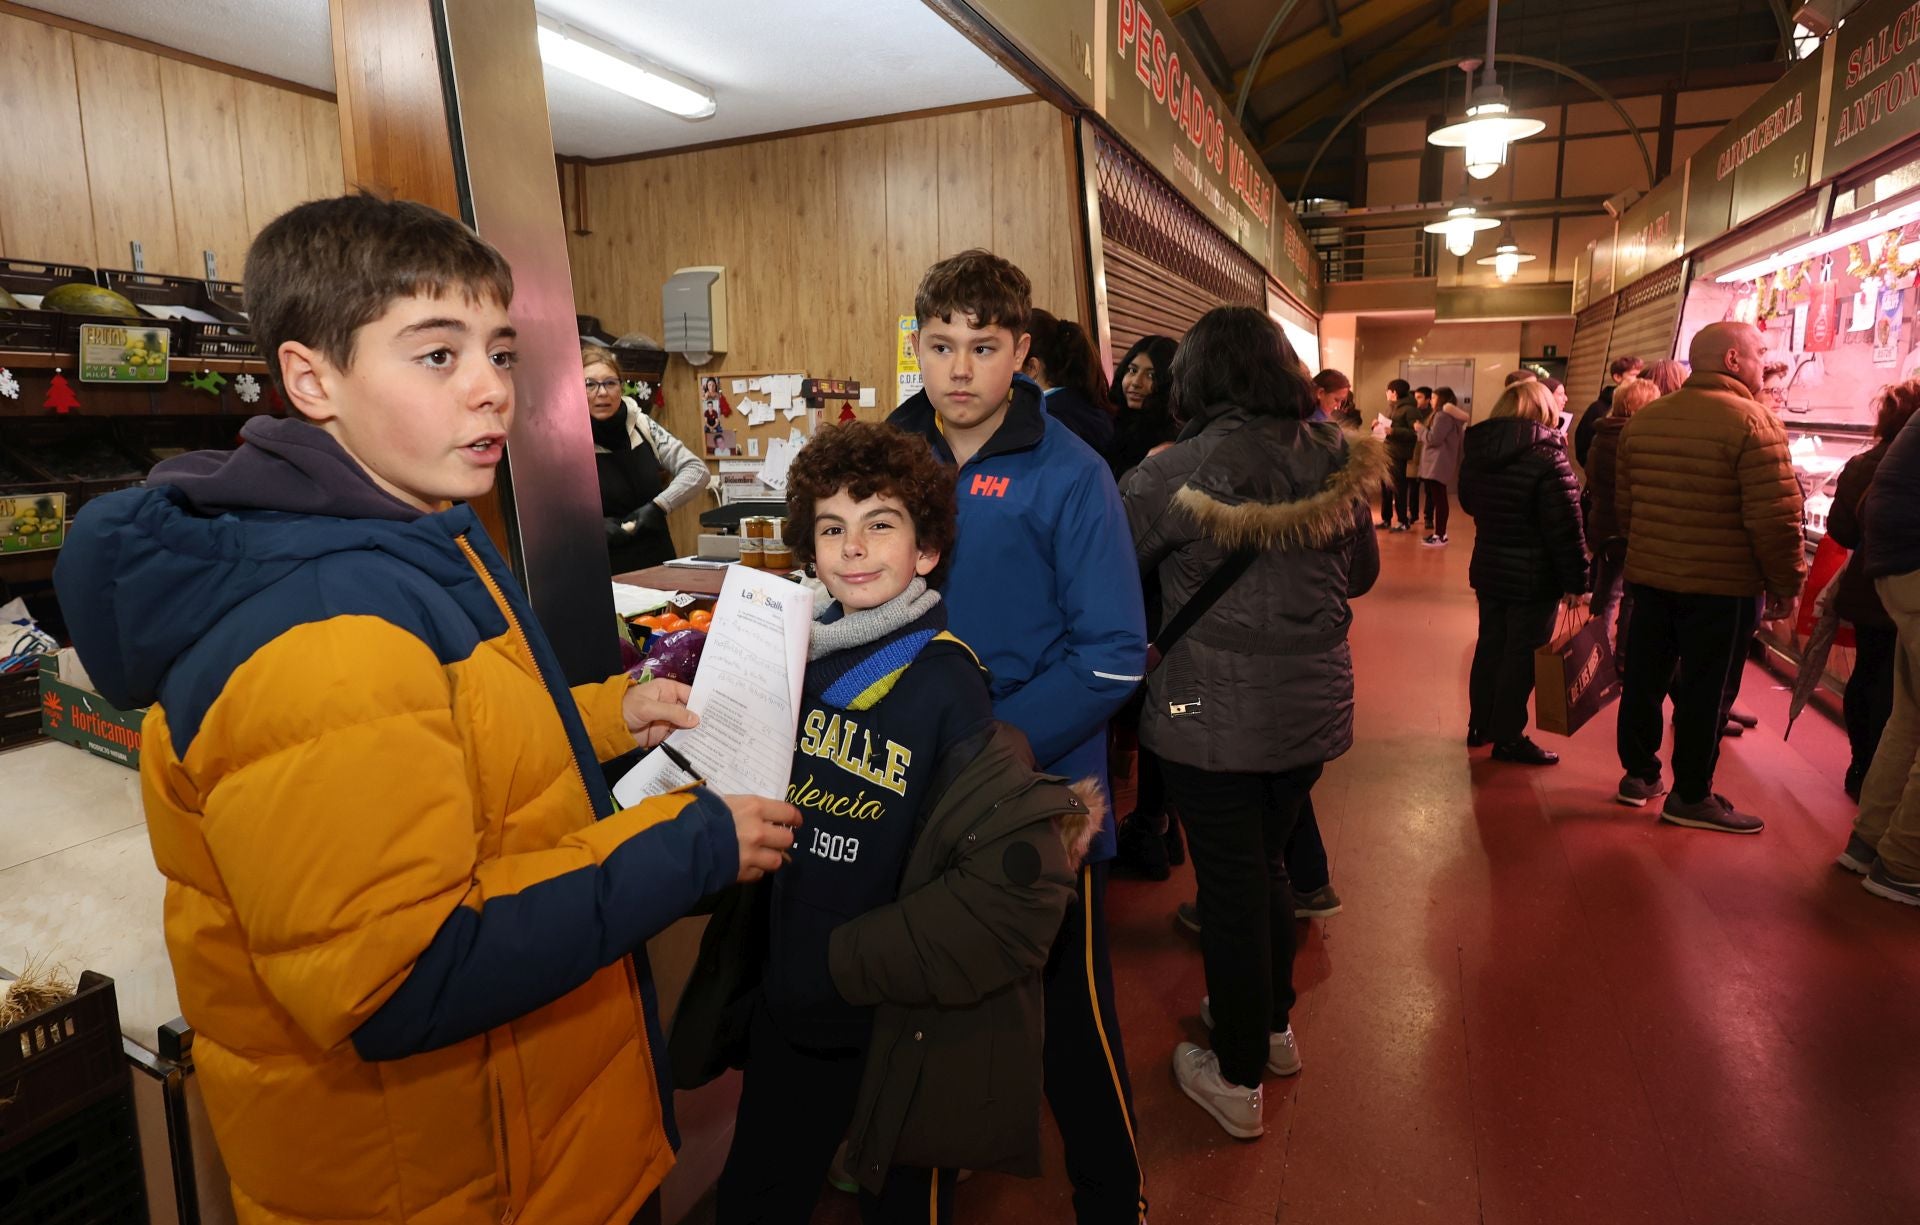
(1574,677)
(1829,562)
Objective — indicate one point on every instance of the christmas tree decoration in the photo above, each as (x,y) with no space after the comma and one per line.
(247,388)
(847,413)
(9,385)
(207,381)
(60,395)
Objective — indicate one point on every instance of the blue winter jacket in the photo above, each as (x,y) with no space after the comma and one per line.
(1044,585)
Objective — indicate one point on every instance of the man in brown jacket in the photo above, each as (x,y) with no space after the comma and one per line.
(1706,497)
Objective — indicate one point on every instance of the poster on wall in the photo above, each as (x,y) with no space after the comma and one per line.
(1887,327)
(906,363)
(1823,317)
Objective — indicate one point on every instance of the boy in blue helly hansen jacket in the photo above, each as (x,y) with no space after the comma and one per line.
(1046,589)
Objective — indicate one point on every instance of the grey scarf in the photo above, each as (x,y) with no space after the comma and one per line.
(871,624)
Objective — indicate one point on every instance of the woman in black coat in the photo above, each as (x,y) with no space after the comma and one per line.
(1528,553)
(1258,695)
(1869,697)
(1149,842)
(1142,419)
(1063,362)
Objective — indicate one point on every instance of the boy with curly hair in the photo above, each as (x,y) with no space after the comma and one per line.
(900,1003)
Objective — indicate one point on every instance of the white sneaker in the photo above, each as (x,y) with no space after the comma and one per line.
(1239,1111)
(1283,1054)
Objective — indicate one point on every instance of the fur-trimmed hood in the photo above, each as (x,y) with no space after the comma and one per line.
(1078,827)
(1281,484)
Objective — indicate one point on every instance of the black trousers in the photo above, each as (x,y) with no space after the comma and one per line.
(1237,831)
(1414,485)
(1694,646)
(1397,495)
(1502,677)
(795,1106)
(1086,1066)
(1306,854)
(1869,696)
(1439,508)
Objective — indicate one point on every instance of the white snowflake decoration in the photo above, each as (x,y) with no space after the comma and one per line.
(9,385)
(247,388)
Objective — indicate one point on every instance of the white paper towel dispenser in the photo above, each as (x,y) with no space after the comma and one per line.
(694,306)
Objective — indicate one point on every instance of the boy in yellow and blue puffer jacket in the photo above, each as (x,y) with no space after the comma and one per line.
(406,922)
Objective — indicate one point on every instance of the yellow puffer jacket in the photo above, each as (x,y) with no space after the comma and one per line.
(1705,494)
(405,921)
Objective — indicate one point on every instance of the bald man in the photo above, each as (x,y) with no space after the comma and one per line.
(1706,498)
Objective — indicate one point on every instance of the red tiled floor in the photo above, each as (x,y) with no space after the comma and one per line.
(1539,1006)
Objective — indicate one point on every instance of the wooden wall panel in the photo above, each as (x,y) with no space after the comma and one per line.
(203,152)
(273,151)
(965,201)
(103,143)
(325,176)
(45,209)
(123,116)
(913,217)
(825,238)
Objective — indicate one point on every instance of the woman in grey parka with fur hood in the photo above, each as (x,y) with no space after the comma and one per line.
(1258,695)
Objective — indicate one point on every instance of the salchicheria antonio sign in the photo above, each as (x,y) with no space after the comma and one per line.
(1875,101)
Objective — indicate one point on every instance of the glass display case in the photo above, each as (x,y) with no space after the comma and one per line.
(1819,452)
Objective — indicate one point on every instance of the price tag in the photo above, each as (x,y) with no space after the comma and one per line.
(30,522)
(112,354)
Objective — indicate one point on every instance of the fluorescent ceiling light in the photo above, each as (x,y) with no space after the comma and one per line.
(1853,232)
(570,50)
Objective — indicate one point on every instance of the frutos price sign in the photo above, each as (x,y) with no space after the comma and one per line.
(112,354)
(30,522)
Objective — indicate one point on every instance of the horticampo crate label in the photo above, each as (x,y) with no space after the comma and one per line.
(111,354)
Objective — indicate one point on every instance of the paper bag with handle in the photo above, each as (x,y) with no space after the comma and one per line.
(1574,677)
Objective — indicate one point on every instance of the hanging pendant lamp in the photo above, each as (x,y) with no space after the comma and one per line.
(1506,259)
(1461,224)
(1490,125)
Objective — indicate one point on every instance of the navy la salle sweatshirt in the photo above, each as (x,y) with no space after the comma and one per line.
(874,722)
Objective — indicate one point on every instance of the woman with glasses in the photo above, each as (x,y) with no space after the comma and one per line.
(634,453)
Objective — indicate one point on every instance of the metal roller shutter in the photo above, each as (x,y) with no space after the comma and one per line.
(1166,265)
(1143,298)
(1587,363)
(1649,319)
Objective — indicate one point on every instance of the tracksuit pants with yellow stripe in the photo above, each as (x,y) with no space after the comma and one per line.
(795,1104)
(1086,1066)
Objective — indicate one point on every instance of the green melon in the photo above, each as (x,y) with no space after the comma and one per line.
(82,299)
(8,302)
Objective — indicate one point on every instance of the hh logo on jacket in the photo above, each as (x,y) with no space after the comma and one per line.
(985,486)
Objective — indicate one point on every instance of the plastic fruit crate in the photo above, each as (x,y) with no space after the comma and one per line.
(34,330)
(83,1170)
(19,705)
(226,335)
(85,454)
(59,1060)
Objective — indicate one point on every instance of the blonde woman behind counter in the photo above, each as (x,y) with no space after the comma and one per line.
(633,454)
